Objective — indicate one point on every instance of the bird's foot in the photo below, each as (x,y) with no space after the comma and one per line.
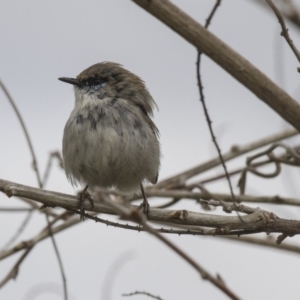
(145,206)
(84,195)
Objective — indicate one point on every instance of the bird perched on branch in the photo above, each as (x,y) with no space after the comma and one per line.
(110,139)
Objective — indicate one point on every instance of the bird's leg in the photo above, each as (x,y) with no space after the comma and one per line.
(145,204)
(83,195)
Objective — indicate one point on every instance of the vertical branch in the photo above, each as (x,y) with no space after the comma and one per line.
(40,183)
(61,267)
(34,161)
(285,31)
(202,99)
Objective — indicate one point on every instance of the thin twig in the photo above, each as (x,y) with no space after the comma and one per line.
(15,209)
(25,131)
(202,272)
(39,237)
(289,11)
(61,267)
(231,173)
(194,231)
(19,231)
(291,157)
(35,167)
(212,13)
(202,99)
(136,216)
(284,32)
(182,194)
(187,230)
(53,155)
(265,242)
(236,151)
(36,206)
(14,271)
(223,55)
(142,293)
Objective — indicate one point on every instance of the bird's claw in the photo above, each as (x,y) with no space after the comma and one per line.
(84,195)
(145,206)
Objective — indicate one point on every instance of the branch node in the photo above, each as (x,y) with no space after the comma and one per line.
(179,214)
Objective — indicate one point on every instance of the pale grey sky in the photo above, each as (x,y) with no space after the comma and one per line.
(44,40)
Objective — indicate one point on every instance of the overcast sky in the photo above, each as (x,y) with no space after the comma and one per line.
(44,40)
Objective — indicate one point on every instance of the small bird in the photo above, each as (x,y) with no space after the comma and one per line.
(109,140)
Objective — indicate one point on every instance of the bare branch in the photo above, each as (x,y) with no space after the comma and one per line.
(18,114)
(136,216)
(15,209)
(288,10)
(19,230)
(265,242)
(291,157)
(61,267)
(284,32)
(35,167)
(202,100)
(226,57)
(212,13)
(142,293)
(179,180)
(187,230)
(41,236)
(182,194)
(53,155)
(259,221)
(14,271)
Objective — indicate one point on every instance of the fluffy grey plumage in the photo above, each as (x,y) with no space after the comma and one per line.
(109,139)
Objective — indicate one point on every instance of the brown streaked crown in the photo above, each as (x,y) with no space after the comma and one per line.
(125,84)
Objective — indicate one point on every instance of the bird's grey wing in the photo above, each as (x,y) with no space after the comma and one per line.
(149,121)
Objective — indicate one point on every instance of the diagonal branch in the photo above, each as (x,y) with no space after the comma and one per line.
(136,216)
(179,180)
(25,131)
(285,31)
(40,183)
(242,70)
(14,271)
(287,9)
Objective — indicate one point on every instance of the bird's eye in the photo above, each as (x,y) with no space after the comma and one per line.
(97,84)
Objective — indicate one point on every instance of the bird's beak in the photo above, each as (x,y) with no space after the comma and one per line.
(71,81)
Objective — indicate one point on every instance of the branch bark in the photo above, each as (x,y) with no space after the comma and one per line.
(257,220)
(225,57)
(235,151)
